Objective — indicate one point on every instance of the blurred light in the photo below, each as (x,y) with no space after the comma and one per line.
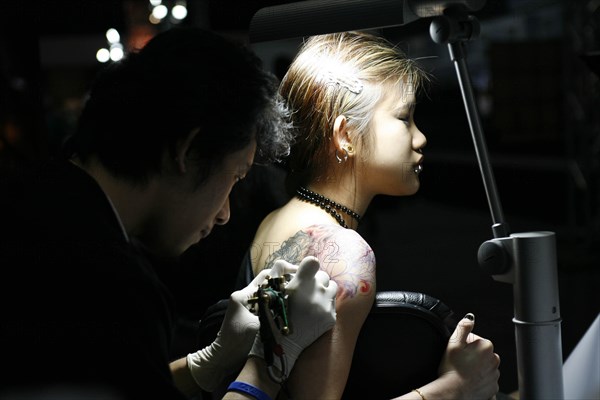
(103,55)
(153,19)
(112,35)
(156,2)
(116,53)
(160,11)
(179,11)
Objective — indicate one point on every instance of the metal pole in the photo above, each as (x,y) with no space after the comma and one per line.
(457,55)
(537,316)
(527,260)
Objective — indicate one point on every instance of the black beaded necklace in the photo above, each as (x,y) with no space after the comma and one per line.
(326,204)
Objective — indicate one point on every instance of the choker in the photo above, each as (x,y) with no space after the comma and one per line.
(326,204)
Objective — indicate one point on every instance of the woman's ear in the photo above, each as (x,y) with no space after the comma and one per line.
(182,148)
(341,136)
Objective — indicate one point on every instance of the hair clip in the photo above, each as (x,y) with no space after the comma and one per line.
(351,83)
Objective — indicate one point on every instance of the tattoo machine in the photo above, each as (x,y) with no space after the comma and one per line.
(270,303)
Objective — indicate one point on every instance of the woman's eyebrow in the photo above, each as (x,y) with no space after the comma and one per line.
(406,107)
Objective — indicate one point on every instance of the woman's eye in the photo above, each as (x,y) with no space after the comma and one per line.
(406,120)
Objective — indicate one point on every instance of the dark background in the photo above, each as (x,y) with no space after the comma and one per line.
(538,101)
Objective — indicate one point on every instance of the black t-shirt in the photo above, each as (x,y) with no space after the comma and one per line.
(81,310)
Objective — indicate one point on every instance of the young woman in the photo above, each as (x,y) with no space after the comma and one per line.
(352,96)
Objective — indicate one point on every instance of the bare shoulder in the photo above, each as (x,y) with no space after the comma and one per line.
(330,242)
(343,254)
(346,257)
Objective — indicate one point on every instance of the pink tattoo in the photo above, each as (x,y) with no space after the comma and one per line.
(343,254)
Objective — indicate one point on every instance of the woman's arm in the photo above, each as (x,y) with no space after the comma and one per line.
(326,363)
(182,377)
(469,368)
(350,262)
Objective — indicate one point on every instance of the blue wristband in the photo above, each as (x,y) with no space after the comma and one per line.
(246,388)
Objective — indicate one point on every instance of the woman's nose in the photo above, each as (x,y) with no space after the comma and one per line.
(419,140)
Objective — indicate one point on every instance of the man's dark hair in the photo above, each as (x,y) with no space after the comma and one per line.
(183,79)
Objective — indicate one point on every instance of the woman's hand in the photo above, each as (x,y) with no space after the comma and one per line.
(470,361)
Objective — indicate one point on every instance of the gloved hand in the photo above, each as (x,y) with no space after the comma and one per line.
(228,352)
(311,310)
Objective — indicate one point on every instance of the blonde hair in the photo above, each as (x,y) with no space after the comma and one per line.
(340,74)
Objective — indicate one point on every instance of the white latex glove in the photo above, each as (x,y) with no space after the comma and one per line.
(229,350)
(311,309)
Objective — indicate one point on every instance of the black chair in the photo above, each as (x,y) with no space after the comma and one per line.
(400,345)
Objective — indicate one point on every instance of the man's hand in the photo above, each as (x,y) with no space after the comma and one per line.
(311,309)
(230,349)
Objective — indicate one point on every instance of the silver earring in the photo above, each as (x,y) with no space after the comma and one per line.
(339,159)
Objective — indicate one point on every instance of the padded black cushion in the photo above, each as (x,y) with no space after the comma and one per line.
(400,345)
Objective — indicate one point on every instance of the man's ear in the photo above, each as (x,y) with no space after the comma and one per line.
(182,148)
(341,137)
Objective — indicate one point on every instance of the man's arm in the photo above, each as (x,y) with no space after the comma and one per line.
(182,377)
(255,373)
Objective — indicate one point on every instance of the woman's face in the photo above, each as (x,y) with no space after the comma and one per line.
(185,216)
(394,156)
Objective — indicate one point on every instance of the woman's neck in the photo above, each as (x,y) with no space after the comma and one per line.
(345,193)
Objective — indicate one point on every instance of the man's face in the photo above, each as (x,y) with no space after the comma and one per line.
(184,216)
